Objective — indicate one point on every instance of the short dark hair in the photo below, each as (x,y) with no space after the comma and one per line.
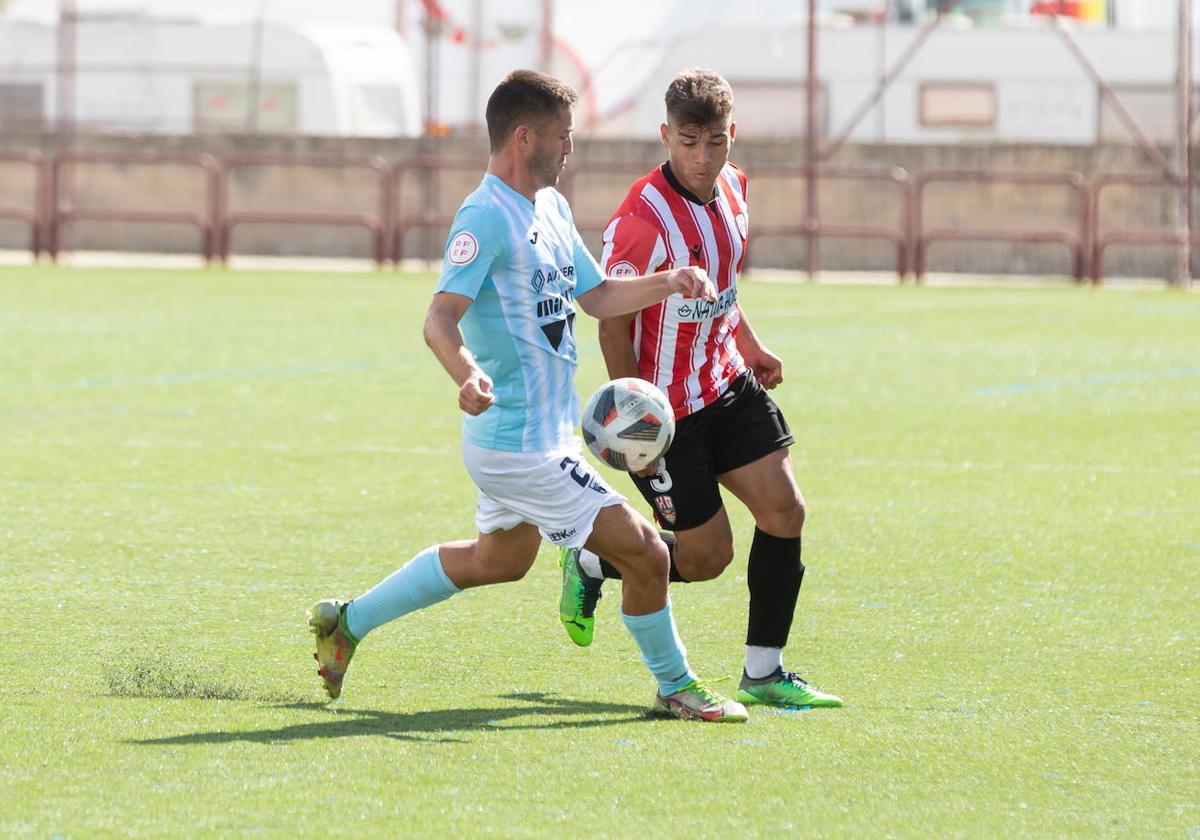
(524,97)
(699,97)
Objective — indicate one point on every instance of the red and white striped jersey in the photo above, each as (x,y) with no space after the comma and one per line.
(683,345)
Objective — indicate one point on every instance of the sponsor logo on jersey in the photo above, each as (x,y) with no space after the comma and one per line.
(622,269)
(665,506)
(541,279)
(550,306)
(463,248)
(703,310)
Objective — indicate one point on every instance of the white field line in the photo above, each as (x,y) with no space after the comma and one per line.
(853,463)
(997,466)
(118,259)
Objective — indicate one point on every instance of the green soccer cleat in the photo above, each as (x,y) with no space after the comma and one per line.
(696,701)
(577,604)
(784,690)
(335,645)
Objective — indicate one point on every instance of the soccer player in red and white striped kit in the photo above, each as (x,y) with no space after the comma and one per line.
(716,373)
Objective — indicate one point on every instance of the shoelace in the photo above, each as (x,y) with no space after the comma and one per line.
(591,594)
(793,677)
(701,687)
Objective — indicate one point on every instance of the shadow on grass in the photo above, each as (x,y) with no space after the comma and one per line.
(412,726)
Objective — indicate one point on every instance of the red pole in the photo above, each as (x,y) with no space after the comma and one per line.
(66,69)
(547,35)
(60,175)
(812,220)
(433,33)
(1183,273)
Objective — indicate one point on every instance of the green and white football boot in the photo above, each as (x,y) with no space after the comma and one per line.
(784,690)
(335,645)
(577,603)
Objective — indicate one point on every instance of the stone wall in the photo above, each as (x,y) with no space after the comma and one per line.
(776,200)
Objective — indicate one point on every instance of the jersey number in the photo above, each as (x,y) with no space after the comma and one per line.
(662,479)
(580,475)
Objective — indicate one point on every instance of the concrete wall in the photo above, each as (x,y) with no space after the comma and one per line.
(773,200)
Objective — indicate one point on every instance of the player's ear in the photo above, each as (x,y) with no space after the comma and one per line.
(523,136)
(665,131)
(732,132)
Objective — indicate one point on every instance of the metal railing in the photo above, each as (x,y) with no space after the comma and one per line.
(31,214)
(62,210)
(1075,240)
(52,209)
(428,218)
(376,224)
(898,234)
(1101,239)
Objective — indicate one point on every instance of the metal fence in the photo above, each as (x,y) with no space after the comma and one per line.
(216,216)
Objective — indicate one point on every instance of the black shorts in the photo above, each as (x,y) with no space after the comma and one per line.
(741,426)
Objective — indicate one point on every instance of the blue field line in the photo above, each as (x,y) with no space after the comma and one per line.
(185,377)
(1096,380)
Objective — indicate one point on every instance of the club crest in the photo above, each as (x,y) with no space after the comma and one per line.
(665,507)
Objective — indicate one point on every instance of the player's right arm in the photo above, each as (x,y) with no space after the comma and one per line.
(616,343)
(477,240)
(445,340)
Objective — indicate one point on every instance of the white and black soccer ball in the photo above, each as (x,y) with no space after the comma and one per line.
(628,424)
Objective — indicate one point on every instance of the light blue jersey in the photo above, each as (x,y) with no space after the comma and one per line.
(522,264)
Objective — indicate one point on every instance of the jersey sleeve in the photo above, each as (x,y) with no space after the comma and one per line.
(478,238)
(632,246)
(587,271)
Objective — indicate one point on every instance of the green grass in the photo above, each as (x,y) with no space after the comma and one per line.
(1003,549)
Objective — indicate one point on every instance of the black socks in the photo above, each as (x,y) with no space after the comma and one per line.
(773,575)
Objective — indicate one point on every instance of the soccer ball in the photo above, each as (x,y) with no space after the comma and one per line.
(628,424)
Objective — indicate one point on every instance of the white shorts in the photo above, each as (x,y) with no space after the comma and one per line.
(558,491)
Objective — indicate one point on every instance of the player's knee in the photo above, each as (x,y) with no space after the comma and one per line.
(707,563)
(650,556)
(785,518)
(501,569)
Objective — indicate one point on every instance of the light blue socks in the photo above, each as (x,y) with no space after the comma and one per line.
(419,583)
(662,650)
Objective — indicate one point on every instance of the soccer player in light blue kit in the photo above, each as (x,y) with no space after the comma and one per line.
(502,324)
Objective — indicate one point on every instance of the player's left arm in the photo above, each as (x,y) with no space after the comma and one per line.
(765,365)
(444,338)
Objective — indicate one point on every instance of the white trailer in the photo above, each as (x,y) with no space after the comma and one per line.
(136,72)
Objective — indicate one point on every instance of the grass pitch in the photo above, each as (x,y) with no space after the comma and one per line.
(1003,551)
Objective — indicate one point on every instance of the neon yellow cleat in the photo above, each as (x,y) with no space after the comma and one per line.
(335,645)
